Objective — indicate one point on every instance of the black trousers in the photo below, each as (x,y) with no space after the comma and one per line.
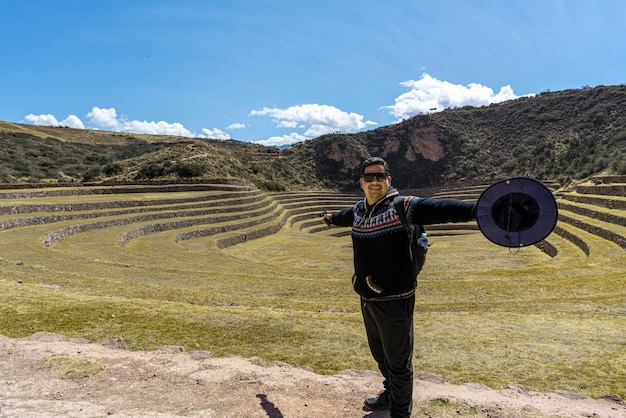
(389,328)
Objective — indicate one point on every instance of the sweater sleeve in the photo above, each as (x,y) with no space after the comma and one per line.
(344,217)
(426,211)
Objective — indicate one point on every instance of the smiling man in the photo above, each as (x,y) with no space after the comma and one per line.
(384,275)
(375,182)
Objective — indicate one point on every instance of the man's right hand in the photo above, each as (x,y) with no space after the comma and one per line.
(326,218)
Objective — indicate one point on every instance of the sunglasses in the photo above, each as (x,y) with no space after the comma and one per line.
(369,177)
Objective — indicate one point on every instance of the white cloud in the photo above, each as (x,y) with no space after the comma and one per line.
(215,134)
(429,93)
(72,121)
(46,120)
(155,128)
(307,121)
(104,118)
(289,124)
(313,119)
(234,126)
(107,118)
(280,141)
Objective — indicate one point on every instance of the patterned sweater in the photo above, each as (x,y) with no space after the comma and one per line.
(382,262)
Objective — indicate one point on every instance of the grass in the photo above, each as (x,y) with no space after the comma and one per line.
(443,408)
(484,314)
(72,367)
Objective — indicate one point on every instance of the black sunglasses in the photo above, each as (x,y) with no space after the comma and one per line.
(369,177)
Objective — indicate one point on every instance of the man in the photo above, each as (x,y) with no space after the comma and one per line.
(384,278)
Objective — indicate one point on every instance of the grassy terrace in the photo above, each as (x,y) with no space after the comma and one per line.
(236,271)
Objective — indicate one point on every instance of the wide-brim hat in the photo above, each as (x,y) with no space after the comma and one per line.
(516,212)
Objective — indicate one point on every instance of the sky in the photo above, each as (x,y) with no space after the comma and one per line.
(277,72)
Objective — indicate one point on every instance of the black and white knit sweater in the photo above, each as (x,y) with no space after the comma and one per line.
(382,262)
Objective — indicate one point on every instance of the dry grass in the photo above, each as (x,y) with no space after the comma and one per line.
(68,366)
(484,314)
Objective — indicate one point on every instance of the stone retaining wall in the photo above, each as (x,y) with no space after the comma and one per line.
(601,216)
(295,207)
(595,230)
(168,226)
(60,234)
(70,207)
(77,185)
(609,179)
(603,189)
(574,239)
(169,188)
(597,201)
(297,215)
(259,233)
(547,248)
(229,241)
(182,211)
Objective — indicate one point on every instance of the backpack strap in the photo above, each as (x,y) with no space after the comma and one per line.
(418,241)
(398,202)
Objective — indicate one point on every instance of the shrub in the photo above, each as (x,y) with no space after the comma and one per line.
(112,169)
(150,171)
(186,170)
(92,173)
(273,186)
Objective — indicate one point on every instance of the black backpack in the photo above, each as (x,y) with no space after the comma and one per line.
(417,237)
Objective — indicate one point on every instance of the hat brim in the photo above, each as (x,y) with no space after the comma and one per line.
(517,212)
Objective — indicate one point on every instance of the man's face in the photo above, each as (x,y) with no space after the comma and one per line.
(377,188)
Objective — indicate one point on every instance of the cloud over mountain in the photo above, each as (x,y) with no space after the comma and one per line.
(304,121)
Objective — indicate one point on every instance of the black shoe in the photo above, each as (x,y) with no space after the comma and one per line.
(378,403)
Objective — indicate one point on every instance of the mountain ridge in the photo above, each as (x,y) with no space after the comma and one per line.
(565,135)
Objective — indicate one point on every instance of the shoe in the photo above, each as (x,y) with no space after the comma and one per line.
(378,403)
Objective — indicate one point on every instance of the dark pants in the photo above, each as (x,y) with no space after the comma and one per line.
(389,328)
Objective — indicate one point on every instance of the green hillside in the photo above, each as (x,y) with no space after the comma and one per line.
(563,136)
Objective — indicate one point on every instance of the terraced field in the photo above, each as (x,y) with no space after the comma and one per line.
(233,270)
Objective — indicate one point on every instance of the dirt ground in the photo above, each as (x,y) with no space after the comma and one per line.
(172,383)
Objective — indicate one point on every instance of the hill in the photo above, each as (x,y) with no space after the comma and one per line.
(564,136)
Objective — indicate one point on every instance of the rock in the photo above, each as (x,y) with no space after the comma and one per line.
(201,354)
(613,398)
(115,343)
(172,348)
(47,337)
(431,377)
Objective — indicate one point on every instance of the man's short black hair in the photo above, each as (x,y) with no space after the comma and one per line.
(374,161)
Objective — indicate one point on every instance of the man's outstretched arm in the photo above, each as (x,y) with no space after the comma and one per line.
(426,211)
(344,217)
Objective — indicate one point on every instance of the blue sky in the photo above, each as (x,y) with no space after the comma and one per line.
(282,71)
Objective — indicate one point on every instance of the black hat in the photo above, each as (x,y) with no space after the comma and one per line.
(516,212)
